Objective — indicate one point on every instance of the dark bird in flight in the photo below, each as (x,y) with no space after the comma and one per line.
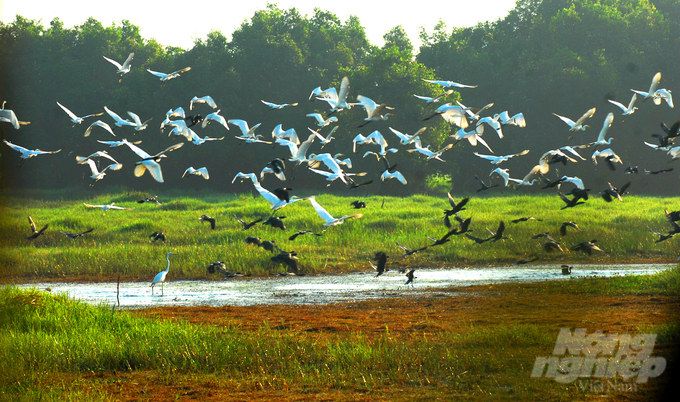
(545,235)
(444,239)
(410,277)
(290,259)
(282,193)
(658,171)
(551,184)
(526,260)
(221,267)
(304,232)
(463,225)
(552,246)
(612,192)
(245,225)
(564,225)
(662,237)
(483,186)
(673,131)
(268,245)
(526,218)
(355,185)
(156,236)
(455,208)
(73,236)
(206,218)
(570,203)
(34,232)
(672,217)
(358,204)
(587,247)
(498,234)
(149,199)
(381,268)
(477,240)
(275,222)
(252,240)
(409,252)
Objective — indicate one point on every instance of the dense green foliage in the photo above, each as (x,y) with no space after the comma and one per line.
(120,243)
(544,57)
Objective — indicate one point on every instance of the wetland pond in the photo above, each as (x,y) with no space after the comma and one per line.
(325,289)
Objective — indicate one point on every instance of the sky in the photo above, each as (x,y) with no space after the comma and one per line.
(179,22)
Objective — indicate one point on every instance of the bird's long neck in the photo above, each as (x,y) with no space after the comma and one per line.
(168,267)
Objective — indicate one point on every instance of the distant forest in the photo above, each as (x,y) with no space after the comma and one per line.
(544,57)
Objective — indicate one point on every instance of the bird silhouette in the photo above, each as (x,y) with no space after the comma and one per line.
(252,240)
(275,222)
(206,218)
(156,236)
(381,267)
(74,236)
(410,277)
(304,232)
(498,234)
(565,225)
(34,232)
(587,247)
(245,225)
(409,252)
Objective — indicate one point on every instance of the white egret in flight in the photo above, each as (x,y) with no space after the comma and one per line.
(122,69)
(323,214)
(150,162)
(75,119)
(578,124)
(203,172)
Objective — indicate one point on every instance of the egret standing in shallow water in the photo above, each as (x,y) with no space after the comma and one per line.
(160,277)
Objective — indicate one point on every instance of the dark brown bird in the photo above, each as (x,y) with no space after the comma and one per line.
(283,193)
(357,185)
(662,237)
(658,171)
(381,268)
(409,252)
(455,208)
(566,270)
(409,275)
(587,247)
(498,235)
(570,203)
(155,236)
(545,235)
(221,267)
(245,225)
(304,232)
(288,258)
(206,218)
(275,222)
(358,204)
(477,240)
(564,225)
(672,218)
(268,245)
(526,260)
(74,236)
(443,240)
(526,218)
(252,240)
(552,246)
(483,186)
(613,192)
(149,199)
(35,233)
(464,225)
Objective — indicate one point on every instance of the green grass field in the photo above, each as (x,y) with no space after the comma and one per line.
(53,348)
(120,245)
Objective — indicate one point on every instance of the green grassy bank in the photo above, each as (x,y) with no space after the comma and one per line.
(120,245)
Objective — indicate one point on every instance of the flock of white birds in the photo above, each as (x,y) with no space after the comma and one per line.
(336,166)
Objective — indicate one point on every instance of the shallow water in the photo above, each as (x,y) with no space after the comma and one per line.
(325,289)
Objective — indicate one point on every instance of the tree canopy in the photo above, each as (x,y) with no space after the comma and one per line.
(544,57)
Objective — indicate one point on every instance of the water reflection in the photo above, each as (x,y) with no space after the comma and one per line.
(325,289)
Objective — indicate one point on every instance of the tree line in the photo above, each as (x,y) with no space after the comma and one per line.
(544,57)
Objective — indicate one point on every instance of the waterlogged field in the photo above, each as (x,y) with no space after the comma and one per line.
(120,244)
(480,344)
